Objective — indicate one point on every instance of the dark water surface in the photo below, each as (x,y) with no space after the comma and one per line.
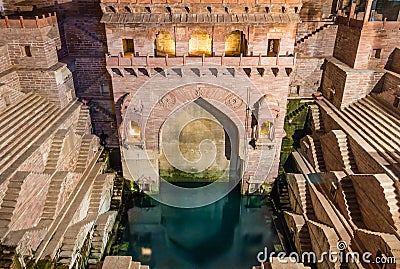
(227,234)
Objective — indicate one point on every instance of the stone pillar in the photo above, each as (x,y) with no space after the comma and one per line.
(367,11)
(352,10)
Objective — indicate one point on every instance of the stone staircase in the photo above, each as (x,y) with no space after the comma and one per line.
(375,132)
(102,184)
(120,262)
(346,153)
(284,199)
(83,155)
(305,196)
(96,106)
(7,256)
(316,120)
(388,123)
(392,197)
(73,241)
(55,150)
(103,228)
(292,115)
(32,116)
(319,157)
(94,37)
(304,239)
(81,126)
(10,200)
(319,29)
(377,139)
(56,231)
(350,196)
(53,196)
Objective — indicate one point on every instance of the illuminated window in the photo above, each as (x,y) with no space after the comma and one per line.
(127,45)
(165,44)
(200,43)
(273,47)
(265,129)
(134,132)
(235,44)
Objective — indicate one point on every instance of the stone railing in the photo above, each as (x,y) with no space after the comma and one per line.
(120,61)
(29,23)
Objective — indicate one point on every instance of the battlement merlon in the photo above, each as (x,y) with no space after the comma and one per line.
(201,6)
(202,1)
(29,23)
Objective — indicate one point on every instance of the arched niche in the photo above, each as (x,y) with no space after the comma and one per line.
(133,132)
(200,43)
(165,44)
(236,44)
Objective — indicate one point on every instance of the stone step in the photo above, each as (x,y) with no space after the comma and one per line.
(350,124)
(379,119)
(374,130)
(20,107)
(24,140)
(374,138)
(372,103)
(10,133)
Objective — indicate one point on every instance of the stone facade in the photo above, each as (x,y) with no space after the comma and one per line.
(122,57)
(52,188)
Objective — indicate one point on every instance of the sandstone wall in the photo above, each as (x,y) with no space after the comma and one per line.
(307,76)
(372,203)
(4,59)
(390,91)
(256,36)
(43,43)
(331,151)
(394,61)
(346,44)
(11,80)
(55,85)
(366,164)
(355,44)
(376,36)
(343,85)
(318,45)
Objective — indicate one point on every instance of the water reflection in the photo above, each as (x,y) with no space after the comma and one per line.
(226,234)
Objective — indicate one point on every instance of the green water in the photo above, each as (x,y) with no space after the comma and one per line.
(226,234)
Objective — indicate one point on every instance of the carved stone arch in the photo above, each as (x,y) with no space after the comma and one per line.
(265,111)
(222,99)
(164,43)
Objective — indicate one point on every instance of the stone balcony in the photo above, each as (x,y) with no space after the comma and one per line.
(147,61)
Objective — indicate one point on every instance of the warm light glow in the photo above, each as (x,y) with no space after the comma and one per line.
(165,44)
(235,44)
(265,128)
(134,131)
(200,43)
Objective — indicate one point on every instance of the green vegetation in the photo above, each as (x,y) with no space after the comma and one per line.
(295,127)
(176,175)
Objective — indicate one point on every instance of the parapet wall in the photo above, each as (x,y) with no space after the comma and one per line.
(29,23)
(205,1)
